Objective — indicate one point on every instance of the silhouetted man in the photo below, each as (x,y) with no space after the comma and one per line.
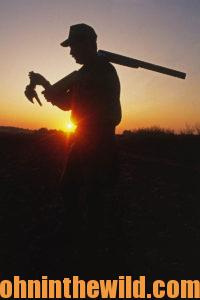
(94,100)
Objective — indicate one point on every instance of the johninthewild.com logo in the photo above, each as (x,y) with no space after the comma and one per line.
(123,287)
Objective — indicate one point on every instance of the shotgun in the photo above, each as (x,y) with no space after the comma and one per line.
(65,83)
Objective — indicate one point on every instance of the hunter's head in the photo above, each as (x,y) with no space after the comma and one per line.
(82,41)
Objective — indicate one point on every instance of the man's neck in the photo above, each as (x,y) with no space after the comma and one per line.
(91,59)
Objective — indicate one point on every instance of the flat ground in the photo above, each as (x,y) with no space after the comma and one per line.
(157,207)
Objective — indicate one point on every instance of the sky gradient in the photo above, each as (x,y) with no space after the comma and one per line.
(164,32)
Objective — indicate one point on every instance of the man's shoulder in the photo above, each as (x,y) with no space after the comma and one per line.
(100,64)
(105,64)
(104,70)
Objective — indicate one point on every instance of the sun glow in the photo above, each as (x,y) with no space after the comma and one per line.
(70,127)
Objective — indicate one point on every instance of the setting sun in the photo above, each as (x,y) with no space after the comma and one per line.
(70,127)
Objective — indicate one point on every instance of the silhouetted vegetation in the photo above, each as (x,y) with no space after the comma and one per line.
(158,131)
(149,131)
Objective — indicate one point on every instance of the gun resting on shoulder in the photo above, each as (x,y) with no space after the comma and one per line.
(65,83)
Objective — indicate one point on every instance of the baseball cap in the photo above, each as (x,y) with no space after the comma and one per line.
(79,33)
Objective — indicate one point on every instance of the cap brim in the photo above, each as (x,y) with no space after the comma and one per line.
(65,43)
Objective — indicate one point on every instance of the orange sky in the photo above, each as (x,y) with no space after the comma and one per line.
(161,32)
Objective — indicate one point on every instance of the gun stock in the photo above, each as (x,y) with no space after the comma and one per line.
(65,83)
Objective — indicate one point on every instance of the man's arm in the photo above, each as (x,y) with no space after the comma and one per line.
(61,100)
(60,93)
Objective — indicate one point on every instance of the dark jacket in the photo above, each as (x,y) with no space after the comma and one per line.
(95,96)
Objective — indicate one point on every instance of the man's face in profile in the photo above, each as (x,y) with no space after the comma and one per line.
(78,52)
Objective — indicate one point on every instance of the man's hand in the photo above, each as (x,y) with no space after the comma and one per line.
(38,79)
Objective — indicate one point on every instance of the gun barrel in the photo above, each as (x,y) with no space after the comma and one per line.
(135,63)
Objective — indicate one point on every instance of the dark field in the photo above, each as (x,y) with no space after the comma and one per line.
(157,207)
